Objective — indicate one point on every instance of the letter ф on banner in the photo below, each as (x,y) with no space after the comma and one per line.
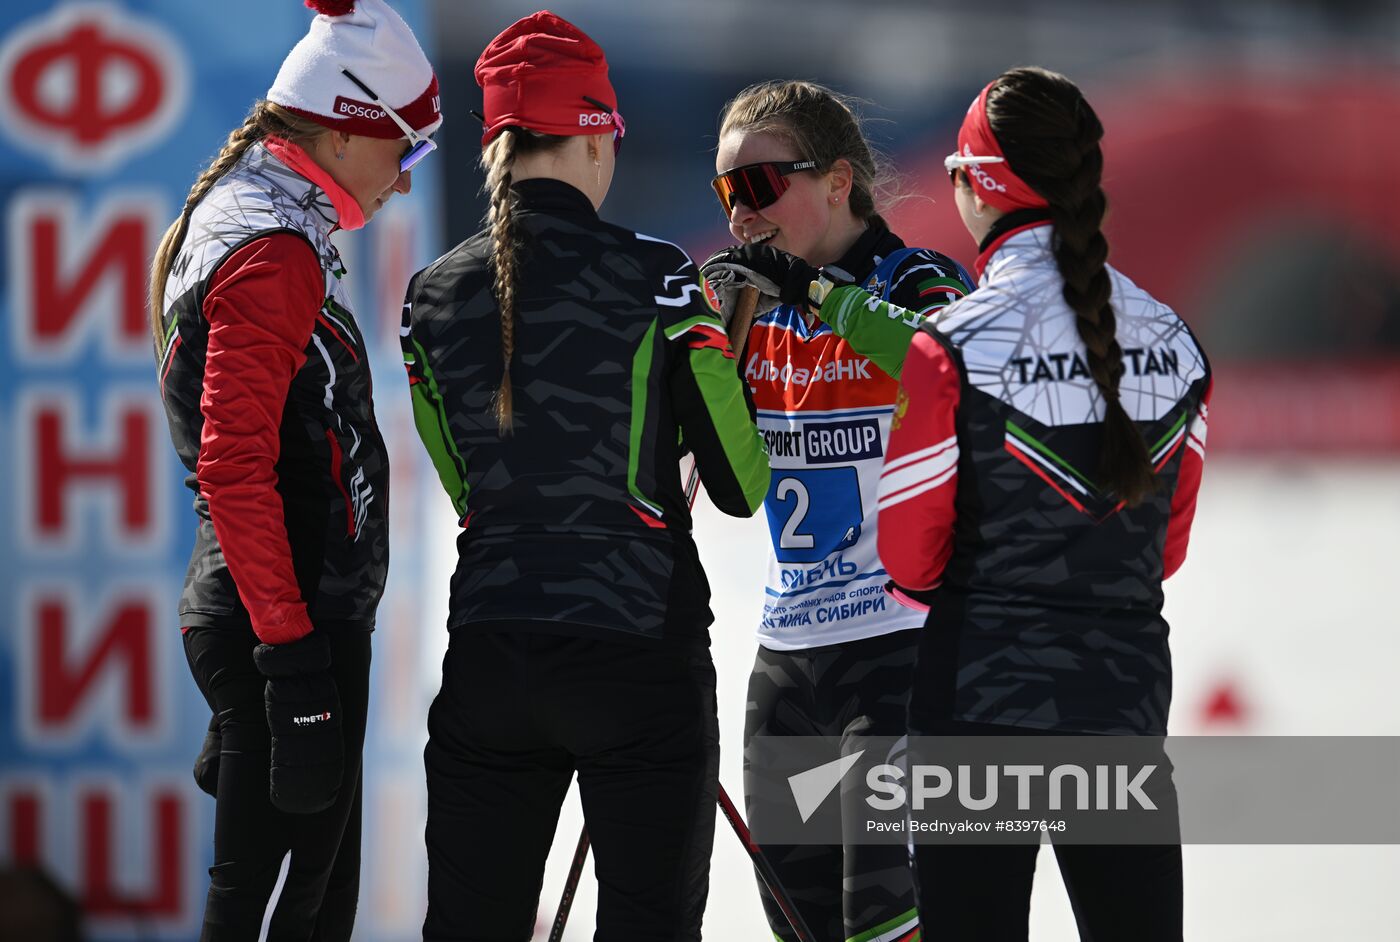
(87,86)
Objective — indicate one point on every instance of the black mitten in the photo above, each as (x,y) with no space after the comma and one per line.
(206,764)
(303,714)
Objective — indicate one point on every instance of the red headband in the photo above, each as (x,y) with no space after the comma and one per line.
(996,183)
(537,73)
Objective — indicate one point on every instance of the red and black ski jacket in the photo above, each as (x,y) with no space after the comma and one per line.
(266,386)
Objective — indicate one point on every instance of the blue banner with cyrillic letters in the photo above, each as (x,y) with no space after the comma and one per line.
(108,112)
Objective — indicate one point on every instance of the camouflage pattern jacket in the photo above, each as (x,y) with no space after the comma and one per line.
(576,522)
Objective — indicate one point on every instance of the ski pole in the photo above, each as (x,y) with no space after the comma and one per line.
(738,329)
(765,870)
(566,900)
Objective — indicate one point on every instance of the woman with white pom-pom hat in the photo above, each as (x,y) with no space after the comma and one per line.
(266,386)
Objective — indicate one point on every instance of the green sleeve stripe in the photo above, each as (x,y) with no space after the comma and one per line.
(729,414)
(677,330)
(641,379)
(430,418)
(874,328)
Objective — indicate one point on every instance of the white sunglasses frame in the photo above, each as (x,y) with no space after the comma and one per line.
(414,138)
(958,161)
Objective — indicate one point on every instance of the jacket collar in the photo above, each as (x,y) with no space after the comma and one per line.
(348,214)
(865,253)
(1007,229)
(551,197)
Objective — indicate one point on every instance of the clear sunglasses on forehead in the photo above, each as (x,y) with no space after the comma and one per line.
(955,162)
(419,146)
(619,126)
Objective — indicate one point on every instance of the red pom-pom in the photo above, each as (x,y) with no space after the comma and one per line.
(332,7)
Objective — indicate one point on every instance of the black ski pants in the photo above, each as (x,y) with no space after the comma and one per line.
(251,837)
(983,892)
(519,712)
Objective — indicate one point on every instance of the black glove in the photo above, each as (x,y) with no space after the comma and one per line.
(778,276)
(303,713)
(206,764)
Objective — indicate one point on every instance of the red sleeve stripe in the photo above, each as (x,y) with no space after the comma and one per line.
(708,341)
(888,499)
(920,455)
(918,473)
(1196,440)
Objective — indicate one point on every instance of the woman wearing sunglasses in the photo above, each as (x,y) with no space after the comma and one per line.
(1059,499)
(557,362)
(836,652)
(267,390)
(1040,484)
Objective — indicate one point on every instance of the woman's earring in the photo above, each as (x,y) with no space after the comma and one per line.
(340,155)
(976,212)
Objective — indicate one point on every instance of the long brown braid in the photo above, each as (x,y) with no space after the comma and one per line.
(506,241)
(1050,137)
(264,119)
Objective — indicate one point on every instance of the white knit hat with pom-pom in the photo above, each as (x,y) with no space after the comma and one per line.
(373,42)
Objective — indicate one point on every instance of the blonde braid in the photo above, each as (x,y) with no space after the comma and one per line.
(498,158)
(264,119)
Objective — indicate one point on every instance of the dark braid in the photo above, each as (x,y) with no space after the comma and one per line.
(1050,136)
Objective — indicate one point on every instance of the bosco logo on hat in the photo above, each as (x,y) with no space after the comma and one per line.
(538,74)
(373,42)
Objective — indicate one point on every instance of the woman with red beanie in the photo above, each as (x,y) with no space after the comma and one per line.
(559,364)
(267,390)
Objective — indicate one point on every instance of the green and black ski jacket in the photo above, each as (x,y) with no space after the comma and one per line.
(576,521)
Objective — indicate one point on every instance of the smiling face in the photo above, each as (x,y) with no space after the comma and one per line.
(369,169)
(810,220)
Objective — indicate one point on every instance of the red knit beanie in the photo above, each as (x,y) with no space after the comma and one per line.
(538,74)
